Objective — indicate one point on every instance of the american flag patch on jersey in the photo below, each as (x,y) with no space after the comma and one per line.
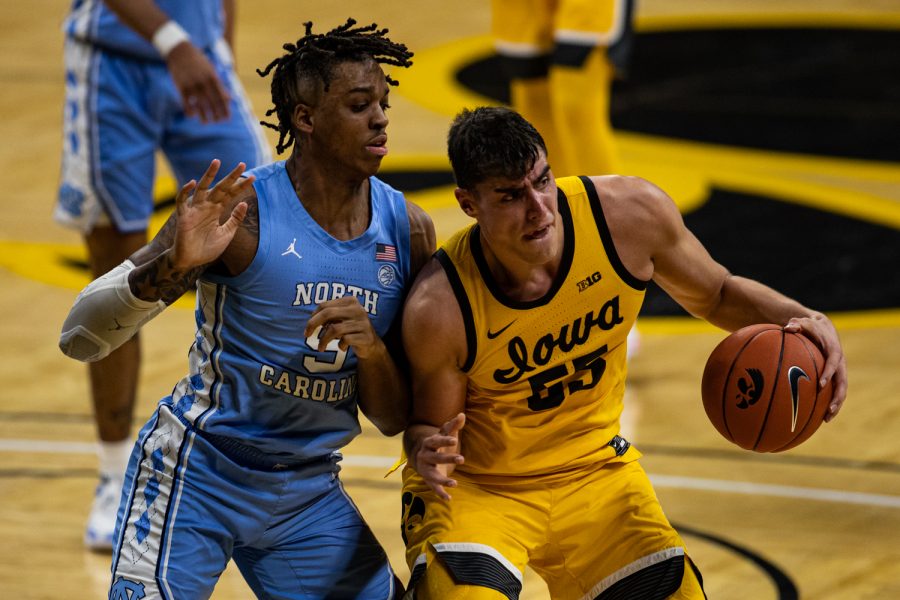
(386,252)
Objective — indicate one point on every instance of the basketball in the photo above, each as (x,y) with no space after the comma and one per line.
(760,388)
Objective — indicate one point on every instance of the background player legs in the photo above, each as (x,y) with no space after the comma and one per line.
(113,383)
(579,104)
(531,97)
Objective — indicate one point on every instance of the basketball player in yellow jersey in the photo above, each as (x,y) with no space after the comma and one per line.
(561,57)
(516,335)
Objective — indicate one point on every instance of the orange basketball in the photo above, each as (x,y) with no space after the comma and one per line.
(760,388)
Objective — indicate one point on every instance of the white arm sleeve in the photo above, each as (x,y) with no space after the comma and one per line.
(105,315)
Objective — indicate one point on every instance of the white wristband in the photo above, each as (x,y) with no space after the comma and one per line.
(169,35)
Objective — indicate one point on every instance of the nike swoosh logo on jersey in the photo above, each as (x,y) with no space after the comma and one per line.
(794,375)
(492,334)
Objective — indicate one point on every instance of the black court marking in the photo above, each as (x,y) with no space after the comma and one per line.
(825,91)
(784,585)
(830,261)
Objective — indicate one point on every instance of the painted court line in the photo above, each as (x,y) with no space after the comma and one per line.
(660,481)
(780,491)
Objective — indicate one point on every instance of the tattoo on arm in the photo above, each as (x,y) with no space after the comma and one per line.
(251,220)
(159,280)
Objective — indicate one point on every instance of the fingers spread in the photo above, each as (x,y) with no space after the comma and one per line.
(234,175)
(181,199)
(209,175)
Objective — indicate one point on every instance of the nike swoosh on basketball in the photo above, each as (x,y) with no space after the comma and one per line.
(794,375)
(492,334)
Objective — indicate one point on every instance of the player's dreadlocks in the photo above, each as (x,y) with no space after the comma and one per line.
(315,55)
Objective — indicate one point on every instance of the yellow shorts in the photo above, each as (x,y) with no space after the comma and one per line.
(599,534)
(539,24)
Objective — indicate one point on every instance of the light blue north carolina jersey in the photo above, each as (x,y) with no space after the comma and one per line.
(93,22)
(254,376)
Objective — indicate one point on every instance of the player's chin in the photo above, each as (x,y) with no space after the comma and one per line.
(538,252)
(370,165)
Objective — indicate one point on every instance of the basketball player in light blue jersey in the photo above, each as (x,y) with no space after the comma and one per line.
(141,76)
(301,268)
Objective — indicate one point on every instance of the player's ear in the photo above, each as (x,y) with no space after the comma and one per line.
(302,119)
(466,201)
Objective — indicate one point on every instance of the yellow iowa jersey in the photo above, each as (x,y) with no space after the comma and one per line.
(547,376)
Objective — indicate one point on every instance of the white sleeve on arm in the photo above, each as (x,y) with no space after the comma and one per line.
(105,315)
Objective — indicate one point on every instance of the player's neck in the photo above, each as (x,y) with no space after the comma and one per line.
(339,203)
(520,280)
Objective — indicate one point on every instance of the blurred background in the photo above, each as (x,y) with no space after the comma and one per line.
(774,125)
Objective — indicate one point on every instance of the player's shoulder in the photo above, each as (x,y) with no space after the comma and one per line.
(431,293)
(266,171)
(382,189)
(432,318)
(634,200)
(420,224)
(432,286)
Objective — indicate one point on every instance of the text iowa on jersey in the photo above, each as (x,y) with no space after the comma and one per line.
(568,337)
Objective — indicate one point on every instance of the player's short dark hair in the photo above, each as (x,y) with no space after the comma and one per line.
(314,57)
(492,142)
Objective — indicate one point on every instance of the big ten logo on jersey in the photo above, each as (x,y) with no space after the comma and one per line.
(322,291)
(589,281)
(125,589)
(550,386)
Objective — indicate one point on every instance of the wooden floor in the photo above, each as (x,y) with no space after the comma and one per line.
(820,522)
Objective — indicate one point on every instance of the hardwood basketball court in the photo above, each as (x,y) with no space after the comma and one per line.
(819,522)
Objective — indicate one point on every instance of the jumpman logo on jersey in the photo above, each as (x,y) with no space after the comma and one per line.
(292,250)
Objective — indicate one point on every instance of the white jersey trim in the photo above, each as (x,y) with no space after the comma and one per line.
(480,549)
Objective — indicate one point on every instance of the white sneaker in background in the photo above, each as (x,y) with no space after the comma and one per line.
(102,520)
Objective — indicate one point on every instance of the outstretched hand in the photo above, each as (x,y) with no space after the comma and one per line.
(821,330)
(200,236)
(439,455)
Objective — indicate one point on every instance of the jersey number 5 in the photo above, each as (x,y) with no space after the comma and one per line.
(328,364)
(549,387)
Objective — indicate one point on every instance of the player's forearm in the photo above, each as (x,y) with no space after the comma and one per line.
(745,301)
(383,392)
(162,278)
(412,439)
